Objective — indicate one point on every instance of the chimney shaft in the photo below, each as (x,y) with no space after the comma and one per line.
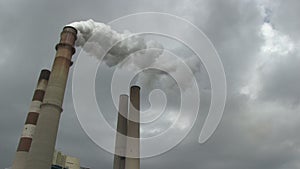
(42,148)
(133,130)
(31,120)
(120,146)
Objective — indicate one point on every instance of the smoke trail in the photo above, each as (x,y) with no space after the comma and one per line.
(97,38)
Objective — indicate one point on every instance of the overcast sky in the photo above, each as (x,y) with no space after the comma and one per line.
(258,43)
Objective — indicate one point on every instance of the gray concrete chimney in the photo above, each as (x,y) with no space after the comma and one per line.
(43,144)
(133,130)
(120,145)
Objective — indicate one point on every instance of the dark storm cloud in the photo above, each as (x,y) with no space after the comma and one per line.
(253,133)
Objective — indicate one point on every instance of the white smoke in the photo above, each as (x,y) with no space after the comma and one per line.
(98,39)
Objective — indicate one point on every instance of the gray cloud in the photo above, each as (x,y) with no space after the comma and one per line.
(284,17)
(281,83)
(254,133)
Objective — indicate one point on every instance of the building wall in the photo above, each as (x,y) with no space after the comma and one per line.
(72,163)
(64,161)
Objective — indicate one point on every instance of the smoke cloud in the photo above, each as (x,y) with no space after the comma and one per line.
(98,39)
(131,51)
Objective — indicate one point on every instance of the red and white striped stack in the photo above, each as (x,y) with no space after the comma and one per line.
(31,121)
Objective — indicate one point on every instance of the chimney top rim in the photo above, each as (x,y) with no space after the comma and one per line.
(71,27)
(135,86)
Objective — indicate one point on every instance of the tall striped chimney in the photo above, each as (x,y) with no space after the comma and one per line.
(133,130)
(43,144)
(120,146)
(31,120)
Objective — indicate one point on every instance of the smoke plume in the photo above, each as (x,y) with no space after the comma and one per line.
(98,39)
(131,51)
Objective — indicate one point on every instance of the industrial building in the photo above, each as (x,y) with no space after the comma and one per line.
(61,161)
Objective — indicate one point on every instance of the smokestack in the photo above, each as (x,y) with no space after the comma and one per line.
(42,148)
(133,130)
(31,120)
(120,146)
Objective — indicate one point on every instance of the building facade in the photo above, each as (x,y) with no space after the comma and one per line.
(62,161)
